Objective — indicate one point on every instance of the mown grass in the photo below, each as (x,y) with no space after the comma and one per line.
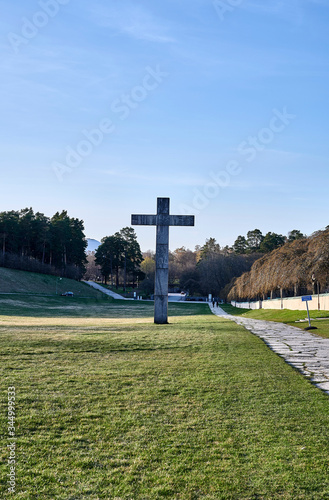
(102,307)
(111,408)
(285,316)
(24,282)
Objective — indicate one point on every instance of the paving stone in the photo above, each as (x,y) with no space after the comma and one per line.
(319,379)
(324,386)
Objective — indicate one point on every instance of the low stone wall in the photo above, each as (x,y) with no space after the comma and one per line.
(247,305)
(318,303)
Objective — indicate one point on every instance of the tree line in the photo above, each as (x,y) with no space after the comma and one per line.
(298,267)
(34,242)
(208,269)
(57,245)
(211,268)
(257,242)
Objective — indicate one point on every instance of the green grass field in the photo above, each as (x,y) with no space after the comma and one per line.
(285,316)
(23,282)
(111,406)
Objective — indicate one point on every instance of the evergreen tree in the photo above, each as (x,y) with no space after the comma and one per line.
(271,242)
(29,241)
(110,256)
(254,240)
(120,251)
(295,234)
(9,232)
(41,234)
(240,245)
(132,253)
(210,248)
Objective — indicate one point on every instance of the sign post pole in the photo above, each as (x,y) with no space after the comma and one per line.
(308,314)
(306,299)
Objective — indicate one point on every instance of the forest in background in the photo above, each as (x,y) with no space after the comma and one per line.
(50,245)
(208,269)
(257,266)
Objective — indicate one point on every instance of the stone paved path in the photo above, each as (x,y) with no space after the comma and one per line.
(305,351)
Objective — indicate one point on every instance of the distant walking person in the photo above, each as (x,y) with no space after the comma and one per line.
(213,302)
(217,305)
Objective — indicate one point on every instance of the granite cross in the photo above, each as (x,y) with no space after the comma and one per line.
(162,220)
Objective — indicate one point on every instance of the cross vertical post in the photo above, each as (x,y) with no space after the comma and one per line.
(161,265)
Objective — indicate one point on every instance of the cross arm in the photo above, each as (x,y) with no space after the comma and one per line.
(162,220)
(181,220)
(143,220)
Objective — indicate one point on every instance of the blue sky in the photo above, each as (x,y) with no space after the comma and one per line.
(107,105)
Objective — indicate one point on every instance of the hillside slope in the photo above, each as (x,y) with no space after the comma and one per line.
(13,281)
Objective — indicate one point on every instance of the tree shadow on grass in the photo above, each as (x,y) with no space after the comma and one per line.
(235,311)
(77,307)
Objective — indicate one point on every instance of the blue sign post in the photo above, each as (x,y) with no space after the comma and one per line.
(306,299)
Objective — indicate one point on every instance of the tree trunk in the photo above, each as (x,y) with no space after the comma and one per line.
(43,252)
(111,283)
(64,256)
(4,245)
(125,273)
(117,277)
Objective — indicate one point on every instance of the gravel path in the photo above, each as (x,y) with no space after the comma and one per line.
(303,350)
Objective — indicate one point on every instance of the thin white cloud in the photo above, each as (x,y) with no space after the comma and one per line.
(254,185)
(287,9)
(132,20)
(170,180)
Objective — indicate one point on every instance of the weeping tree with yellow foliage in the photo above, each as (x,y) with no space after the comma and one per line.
(299,266)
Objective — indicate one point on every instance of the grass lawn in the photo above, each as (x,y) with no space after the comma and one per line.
(66,308)
(285,316)
(112,407)
(24,282)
